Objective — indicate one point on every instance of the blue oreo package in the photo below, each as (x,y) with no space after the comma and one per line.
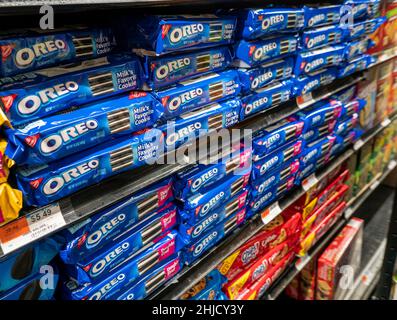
(319,114)
(65,86)
(190,233)
(56,137)
(200,177)
(197,123)
(256,78)
(44,184)
(167,70)
(363,28)
(342,142)
(208,240)
(351,107)
(35,50)
(201,204)
(309,61)
(343,127)
(346,95)
(164,34)
(263,201)
(273,137)
(319,37)
(207,288)
(315,133)
(264,98)
(359,64)
(232,205)
(32,289)
(144,286)
(109,260)
(322,15)
(316,150)
(357,48)
(257,23)
(307,83)
(111,287)
(284,178)
(194,93)
(26,262)
(254,53)
(306,172)
(276,160)
(364,9)
(99,230)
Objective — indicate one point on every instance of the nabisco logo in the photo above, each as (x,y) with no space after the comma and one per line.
(185,97)
(55,141)
(171,66)
(25,57)
(104,230)
(187,31)
(31,103)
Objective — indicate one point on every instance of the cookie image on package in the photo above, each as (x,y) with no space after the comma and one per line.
(276,222)
(323,290)
(23,264)
(32,291)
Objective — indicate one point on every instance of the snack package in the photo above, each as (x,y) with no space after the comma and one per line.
(208,288)
(308,83)
(310,61)
(60,88)
(31,288)
(343,127)
(5,162)
(194,124)
(307,283)
(167,70)
(111,258)
(257,23)
(319,37)
(201,177)
(321,15)
(344,250)
(254,53)
(317,149)
(160,34)
(357,48)
(191,94)
(317,133)
(363,28)
(364,8)
(62,135)
(274,233)
(355,65)
(255,78)
(94,239)
(44,184)
(11,203)
(24,263)
(266,97)
(117,284)
(32,50)
(354,106)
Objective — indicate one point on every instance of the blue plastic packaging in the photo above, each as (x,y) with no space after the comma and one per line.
(261,202)
(167,70)
(254,79)
(357,48)
(351,107)
(322,15)
(324,36)
(266,97)
(364,8)
(200,178)
(254,53)
(102,264)
(316,150)
(164,34)
(307,62)
(197,92)
(307,83)
(56,137)
(26,262)
(207,289)
(35,50)
(346,95)
(316,133)
(257,23)
(362,28)
(59,88)
(197,123)
(358,64)
(343,127)
(44,184)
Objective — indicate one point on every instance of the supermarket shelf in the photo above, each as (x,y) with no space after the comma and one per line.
(279,286)
(384,56)
(186,280)
(81,205)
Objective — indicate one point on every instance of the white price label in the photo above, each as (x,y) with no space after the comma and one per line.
(309,182)
(359,143)
(302,262)
(392,165)
(31,227)
(348,213)
(305,100)
(385,122)
(375,185)
(270,213)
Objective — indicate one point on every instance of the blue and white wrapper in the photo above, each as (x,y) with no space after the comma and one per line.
(322,15)
(316,150)
(363,28)
(342,128)
(197,92)
(256,78)
(359,64)
(307,83)
(59,88)
(364,9)
(213,283)
(324,36)
(32,51)
(357,48)
(44,184)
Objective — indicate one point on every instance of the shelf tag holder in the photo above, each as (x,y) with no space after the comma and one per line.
(270,213)
(309,182)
